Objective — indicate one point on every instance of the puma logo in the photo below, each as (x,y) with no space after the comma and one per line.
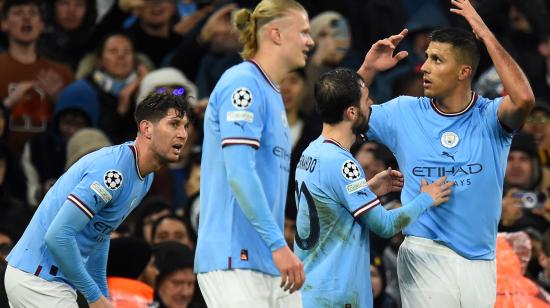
(241,125)
(451,156)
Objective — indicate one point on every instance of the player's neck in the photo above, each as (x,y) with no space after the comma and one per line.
(146,160)
(340,133)
(273,69)
(455,102)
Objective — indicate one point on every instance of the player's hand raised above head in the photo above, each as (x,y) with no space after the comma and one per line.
(291,268)
(439,190)
(380,57)
(466,10)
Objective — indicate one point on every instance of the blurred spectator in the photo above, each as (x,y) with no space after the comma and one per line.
(153,32)
(523,202)
(176,284)
(409,83)
(191,210)
(332,35)
(303,130)
(83,142)
(171,228)
(150,209)
(44,156)
(29,84)
(543,278)
(538,125)
(14,213)
(222,53)
(127,261)
(196,43)
(380,297)
(116,78)
(513,288)
(69,25)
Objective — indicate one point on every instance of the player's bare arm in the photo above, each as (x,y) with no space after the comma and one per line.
(520,99)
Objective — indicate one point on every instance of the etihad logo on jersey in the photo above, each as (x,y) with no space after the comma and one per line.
(428,171)
(281,152)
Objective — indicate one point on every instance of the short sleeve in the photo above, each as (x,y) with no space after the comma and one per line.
(490,114)
(100,185)
(382,123)
(347,182)
(241,113)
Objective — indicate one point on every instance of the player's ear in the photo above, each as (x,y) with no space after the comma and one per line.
(465,73)
(350,113)
(146,129)
(275,35)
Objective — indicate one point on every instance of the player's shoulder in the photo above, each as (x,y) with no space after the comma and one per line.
(332,155)
(484,102)
(405,101)
(114,161)
(243,74)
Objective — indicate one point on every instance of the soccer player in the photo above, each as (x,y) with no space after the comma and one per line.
(448,257)
(65,245)
(241,249)
(337,207)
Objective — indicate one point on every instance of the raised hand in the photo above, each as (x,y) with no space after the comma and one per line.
(438,190)
(386,181)
(290,267)
(466,10)
(380,57)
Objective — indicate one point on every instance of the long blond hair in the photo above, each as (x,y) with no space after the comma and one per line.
(249,22)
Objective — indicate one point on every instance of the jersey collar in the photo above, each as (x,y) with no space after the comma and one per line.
(136,155)
(446,114)
(330,140)
(271,83)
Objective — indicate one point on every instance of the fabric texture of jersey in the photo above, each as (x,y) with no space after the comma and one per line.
(332,193)
(105,186)
(470,148)
(245,108)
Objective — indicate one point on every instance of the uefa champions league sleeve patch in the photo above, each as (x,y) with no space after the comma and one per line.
(350,170)
(241,98)
(113,179)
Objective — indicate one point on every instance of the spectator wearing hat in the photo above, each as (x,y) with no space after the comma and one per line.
(176,284)
(84,141)
(44,156)
(128,259)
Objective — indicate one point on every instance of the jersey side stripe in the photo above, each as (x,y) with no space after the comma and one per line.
(362,210)
(231,141)
(81,206)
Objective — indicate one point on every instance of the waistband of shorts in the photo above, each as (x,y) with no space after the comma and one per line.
(429,245)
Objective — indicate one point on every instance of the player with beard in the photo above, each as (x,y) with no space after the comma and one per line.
(337,207)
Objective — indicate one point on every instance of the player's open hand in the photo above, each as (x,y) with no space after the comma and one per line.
(380,57)
(466,10)
(386,181)
(438,190)
(291,268)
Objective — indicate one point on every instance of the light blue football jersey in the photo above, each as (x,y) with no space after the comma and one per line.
(105,185)
(470,148)
(245,108)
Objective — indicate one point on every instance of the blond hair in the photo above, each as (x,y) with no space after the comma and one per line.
(249,22)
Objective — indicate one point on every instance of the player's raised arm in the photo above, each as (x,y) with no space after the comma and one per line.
(520,99)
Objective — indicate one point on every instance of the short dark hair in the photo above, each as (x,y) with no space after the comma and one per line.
(464,41)
(8,4)
(156,105)
(335,91)
(101,47)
